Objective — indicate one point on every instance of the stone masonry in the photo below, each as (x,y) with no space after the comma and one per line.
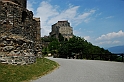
(19,33)
(62,27)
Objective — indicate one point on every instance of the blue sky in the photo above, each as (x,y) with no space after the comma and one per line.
(100,22)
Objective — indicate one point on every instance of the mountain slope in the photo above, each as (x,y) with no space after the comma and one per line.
(116,49)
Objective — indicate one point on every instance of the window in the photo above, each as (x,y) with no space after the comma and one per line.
(24,15)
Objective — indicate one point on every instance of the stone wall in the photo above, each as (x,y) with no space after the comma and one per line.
(22,3)
(17,21)
(19,32)
(15,49)
(18,60)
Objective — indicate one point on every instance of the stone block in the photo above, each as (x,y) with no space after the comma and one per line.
(8,48)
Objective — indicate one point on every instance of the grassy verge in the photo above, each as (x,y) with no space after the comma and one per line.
(10,73)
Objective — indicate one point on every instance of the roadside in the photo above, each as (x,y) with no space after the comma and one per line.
(19,73)
(72,70)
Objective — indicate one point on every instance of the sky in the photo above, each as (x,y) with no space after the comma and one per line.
(100,22)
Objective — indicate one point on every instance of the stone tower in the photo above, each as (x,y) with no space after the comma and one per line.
(62,27)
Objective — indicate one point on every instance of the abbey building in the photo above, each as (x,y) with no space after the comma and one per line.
(62,27)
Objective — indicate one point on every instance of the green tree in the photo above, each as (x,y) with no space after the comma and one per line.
(75,45)
(63,49)
(45,51)
(53,46)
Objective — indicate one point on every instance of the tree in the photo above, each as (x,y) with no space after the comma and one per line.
(61,38)
(45,51)
(63,50)
(53,46)
(75,45)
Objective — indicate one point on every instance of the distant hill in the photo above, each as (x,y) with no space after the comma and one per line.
(116,49)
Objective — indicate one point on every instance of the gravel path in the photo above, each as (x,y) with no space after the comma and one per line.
(72,70)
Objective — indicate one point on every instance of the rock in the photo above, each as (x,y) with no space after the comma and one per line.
(4,37)
(5,42)
(18,53)
(2,60)
(12,53)
(8,48)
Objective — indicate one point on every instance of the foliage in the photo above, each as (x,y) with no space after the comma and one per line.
(75,45)
(48,39)
(63,49)
(61,38)
(45,51)
(79,46)
(10,73)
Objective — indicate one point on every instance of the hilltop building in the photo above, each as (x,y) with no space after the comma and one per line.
(19,31)
(62,27)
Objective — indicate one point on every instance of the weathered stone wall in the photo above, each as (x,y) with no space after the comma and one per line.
(62,27)
(55,31)
(15,49)
(19,31)
(16,20)
(22,3)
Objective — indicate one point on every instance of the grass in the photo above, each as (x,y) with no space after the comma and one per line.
(11,73)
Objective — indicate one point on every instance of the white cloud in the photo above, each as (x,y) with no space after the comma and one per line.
(30,6)
(111,35)
(46,11)
(87,38)
(109,42)
(105,42)
(116,42)
(50,14)
(110,39)
(98,14)
(109,17)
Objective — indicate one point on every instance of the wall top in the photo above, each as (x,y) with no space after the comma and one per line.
(23,3)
